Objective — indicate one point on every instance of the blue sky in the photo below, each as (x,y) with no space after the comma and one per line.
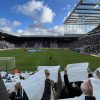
(28,15)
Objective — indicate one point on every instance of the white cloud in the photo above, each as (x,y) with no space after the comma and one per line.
(8,26)
(8,29)
(59,29)
(34,29)
(47,15)
(36,10)
(19,31)
(4,22)
(16,23)
(29,8)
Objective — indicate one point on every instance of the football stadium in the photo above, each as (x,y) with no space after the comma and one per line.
(51,59)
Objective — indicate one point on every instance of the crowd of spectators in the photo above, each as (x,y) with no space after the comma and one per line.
(42,44)
(89,44)
(61,90)
(5,45)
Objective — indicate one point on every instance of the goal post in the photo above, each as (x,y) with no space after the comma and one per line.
(7,63)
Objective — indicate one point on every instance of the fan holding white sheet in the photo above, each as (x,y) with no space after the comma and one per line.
(34,85)
(77,72)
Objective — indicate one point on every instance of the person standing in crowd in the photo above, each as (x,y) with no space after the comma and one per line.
(50,58)
(97,74)
(47,89)
(85,87)
(72,91)
(17,94)
(3,92)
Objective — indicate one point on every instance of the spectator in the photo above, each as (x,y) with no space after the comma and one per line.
(98,74)
(17,94)
(3,91)
(87,89)
(47,89)
(72,91)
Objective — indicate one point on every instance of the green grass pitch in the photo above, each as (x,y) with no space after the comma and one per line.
(30,60)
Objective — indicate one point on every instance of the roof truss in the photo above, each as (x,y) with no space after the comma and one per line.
(85,12)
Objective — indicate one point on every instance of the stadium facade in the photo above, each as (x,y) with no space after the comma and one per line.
(85,13)
(40,41)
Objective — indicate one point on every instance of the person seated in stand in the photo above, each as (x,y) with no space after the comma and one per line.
(47,89)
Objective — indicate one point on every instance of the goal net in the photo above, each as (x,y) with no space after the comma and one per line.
(7,63)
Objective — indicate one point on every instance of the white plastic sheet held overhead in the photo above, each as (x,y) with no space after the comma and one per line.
(77,72)
(10,86)
(34,85)
(53,71)
(48,67)
(96,88)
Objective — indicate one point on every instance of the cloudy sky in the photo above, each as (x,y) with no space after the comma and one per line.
(34,17)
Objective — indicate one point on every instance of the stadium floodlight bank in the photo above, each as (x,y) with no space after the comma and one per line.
(7,63)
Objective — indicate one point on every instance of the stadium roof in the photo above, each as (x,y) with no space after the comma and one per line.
(85,12)
(3,34)
(51,36)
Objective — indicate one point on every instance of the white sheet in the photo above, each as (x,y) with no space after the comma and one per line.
(96,88)
(10,86)
(3,73)
(48,67)
(53,70)
(34,85)
(77,72)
